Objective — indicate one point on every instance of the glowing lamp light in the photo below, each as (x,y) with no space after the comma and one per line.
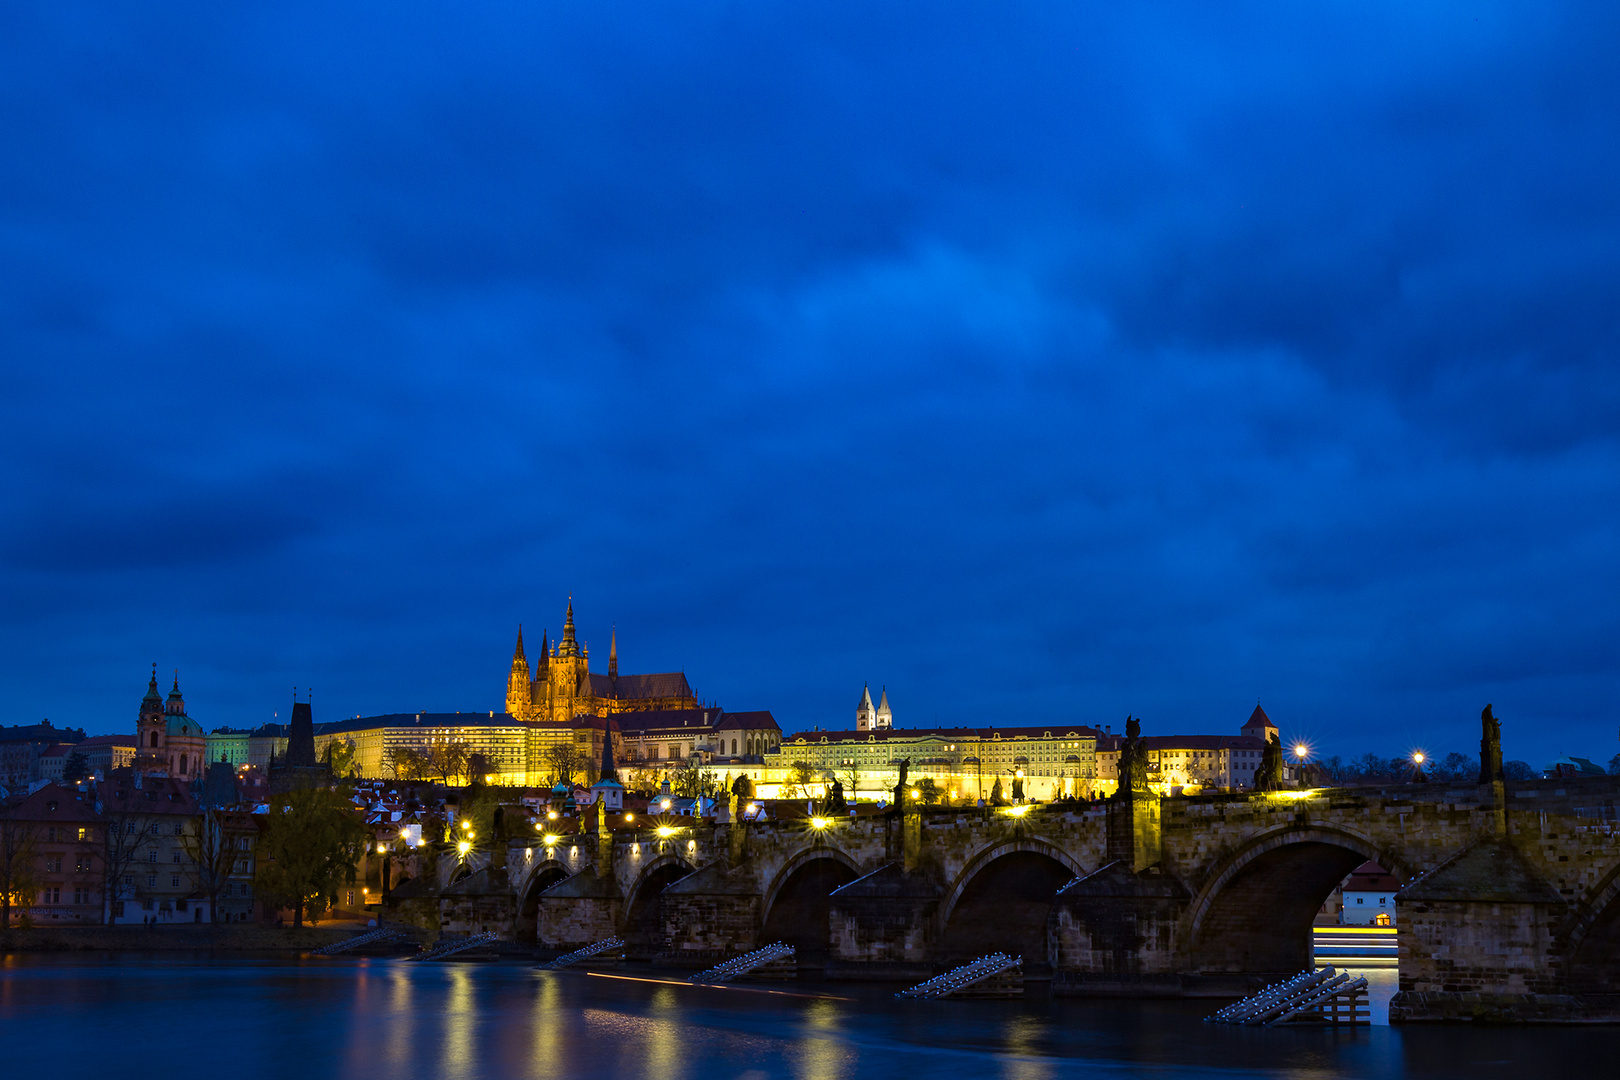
(466,824)
(1417,757)
(382,849)
(666,831)
(551,839)
(464,847)
(752,808)
(915,794)
(665,804)
(1018,811)
(629,816)
(1301,751)
(819,823)
(552,814)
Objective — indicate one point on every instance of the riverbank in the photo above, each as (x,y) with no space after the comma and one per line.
(222,938)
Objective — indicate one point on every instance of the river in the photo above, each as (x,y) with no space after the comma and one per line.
(234,1018)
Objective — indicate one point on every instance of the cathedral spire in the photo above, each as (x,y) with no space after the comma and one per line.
(518,653)
(613,654)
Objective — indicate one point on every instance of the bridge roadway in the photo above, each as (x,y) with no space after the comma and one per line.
(1508,909)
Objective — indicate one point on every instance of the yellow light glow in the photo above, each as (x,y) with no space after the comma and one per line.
(752,808)
(915,793)
(382,849)
(666,831)
(1291,794)
(819,823)
(1017,811)
(1417,757)
(1301,751)
(464,847)
(629,816)
(666,804)
(552,814)
(466,824)
(551,839)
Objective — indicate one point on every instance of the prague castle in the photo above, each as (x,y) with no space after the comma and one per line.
(560,685)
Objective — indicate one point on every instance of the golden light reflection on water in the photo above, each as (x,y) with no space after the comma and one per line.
(823,1052)
(1023,1060)
(663,1034)
(549,1036)
(460,1022)
(396,1045)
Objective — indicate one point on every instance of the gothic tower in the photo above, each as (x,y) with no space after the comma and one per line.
(151,731)
(884,718)
(519,700)
(567,674)
(864,713)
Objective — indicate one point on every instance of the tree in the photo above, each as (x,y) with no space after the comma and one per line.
(692,780)
(446,759)
(996,797)
(19,878)
(75,768)
(852,770)
(339,756)
(210,857)
(742,787)
(1518,770)
(565,761)
(125,838)
(1614,765)
(310,847)
(797,784)
(1457,767)
(929,791)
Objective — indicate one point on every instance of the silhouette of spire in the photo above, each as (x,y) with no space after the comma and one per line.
(609,772)
(518,653)
(613,654)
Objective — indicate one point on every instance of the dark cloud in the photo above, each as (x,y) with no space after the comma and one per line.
(1032,360)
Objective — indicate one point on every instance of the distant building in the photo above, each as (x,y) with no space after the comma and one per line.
(21,747)
(67,834)
(560,685)
(1369,896)
(104,753)
(1572,766)
(868,718)
(1052,762)
(168,741)
(157,817)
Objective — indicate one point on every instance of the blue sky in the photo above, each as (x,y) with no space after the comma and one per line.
(1044,362)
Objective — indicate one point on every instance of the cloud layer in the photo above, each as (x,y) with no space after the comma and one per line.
(1040,361)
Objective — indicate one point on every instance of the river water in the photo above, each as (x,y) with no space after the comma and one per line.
(179,1017)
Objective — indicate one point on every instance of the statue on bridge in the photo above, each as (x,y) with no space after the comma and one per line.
(1269,777)
(1133,763)
(900,788)
(1490,747)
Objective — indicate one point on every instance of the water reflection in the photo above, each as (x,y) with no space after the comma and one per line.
(381,1020)
(460,1023)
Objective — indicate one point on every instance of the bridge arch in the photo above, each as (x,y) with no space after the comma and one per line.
(542,876)
(797,903)
(1254,911)
(643,932)
(1591,938)
(1001,900)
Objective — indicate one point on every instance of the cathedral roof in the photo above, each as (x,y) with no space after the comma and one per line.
(669,684)
(1258,718)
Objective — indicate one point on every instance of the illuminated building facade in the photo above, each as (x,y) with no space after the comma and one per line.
(560,685)
(1055,762)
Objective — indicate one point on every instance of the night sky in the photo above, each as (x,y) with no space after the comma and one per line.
(1044,362)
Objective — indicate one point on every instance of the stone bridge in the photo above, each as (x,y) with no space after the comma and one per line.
(1508,907)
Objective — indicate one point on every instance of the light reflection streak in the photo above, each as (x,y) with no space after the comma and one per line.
(460,1017)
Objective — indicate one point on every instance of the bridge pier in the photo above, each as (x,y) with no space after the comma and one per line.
(884,926)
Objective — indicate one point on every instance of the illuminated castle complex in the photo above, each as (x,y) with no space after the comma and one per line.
(560,686)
